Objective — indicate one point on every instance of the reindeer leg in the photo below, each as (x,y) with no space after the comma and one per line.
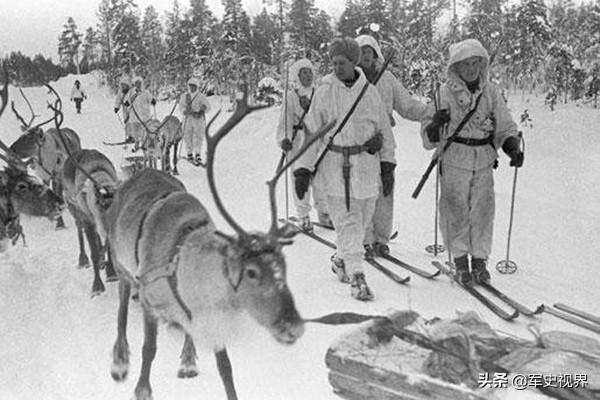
(224,366)
(84,261)
(142,389)
(188,368)
(166,163)
(175,150)
(94,242)
(120,364)
(57,188)
(111,275)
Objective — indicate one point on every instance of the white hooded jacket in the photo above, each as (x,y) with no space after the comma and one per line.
(292,111)
(332,101)
(492,116)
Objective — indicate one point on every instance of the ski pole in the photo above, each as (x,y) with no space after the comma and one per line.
(436,248)
(507,266)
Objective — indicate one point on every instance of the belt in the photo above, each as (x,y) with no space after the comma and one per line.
(349,150)
(473,142)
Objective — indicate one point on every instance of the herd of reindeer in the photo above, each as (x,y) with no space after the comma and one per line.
(154,238)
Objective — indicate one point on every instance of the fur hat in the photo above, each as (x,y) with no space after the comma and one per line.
(347,47)
(295,70)
(194,81)
(368,40)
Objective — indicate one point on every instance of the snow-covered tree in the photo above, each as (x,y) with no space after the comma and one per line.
(203,26)
(92,51)
(353,17)
(128,40)
(179,57)
(69,42)
(153,46)
(264,35)
(236,27)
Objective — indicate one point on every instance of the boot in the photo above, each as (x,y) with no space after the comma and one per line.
(480,273)
(198,160)
(369,252)
(339,269)
(381,249)
(359,288)
(463,276)
(190,157)
(305,224)
(325,220)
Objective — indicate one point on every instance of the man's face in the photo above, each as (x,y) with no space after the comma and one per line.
(192,87)
(343,68)
(469,69)
(367,57)
(306,76)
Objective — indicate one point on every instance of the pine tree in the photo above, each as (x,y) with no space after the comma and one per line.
(127,41)
(92,51)
(203,27)
(153,47)
(236,27)
(353,17)
(300,19)
(179,56)
(68,45)
(264,36)
(109,14)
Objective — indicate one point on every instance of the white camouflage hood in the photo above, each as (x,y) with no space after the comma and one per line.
(368,40)
(295,70)
(466,49)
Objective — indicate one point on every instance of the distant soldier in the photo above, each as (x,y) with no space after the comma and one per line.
(77,95)
(194,106)
(141,100)
(291,135)
(122,100)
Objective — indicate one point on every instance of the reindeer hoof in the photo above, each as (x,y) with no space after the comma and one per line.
(175,172)
(97,288)
(84,261)
(119,371)
(187,371)
(143,393)
(60,224)
(112,278)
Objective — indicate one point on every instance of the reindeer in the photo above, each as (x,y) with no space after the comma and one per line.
(154,140)
(190,275)
(20,192)
(171,133)
(45,152)
(88,179)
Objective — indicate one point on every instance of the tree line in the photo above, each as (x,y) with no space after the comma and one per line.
(534,46)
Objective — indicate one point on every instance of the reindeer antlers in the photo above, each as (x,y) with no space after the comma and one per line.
(242,109)
(9,157)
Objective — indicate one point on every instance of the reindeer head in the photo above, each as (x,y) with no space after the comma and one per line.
(22,192)
(256,266)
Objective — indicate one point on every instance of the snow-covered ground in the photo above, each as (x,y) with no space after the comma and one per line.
(55,342)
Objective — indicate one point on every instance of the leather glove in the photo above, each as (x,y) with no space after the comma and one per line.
(512,149)
(126,104)
(433,129)
(116,110)
(304,103)
(387,177)
(375,143)
(301,181)
(153,102)
(286,144)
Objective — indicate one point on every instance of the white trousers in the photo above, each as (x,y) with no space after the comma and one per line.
(193,134)
(467,205)
(350,228)
(380,228)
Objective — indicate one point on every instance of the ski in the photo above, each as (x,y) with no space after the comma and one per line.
(201,164)
(116,143)
(511,302)
(478,295)
(579,313)
(565,316)
(410,268)
(375,264)
(507,300)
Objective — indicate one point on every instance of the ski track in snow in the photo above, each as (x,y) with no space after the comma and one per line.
(55,342)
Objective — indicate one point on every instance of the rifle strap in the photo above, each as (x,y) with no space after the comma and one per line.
(464,121)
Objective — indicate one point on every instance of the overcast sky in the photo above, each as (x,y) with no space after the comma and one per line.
(33,26)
